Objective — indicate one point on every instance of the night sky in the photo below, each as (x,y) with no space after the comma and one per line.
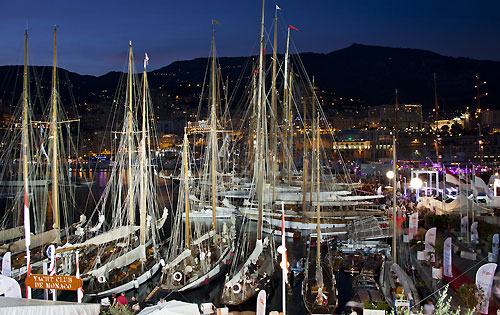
(93,35)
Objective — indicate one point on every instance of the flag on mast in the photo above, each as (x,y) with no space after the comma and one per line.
(293,27)
(146,60)
(215,22)
(278,7)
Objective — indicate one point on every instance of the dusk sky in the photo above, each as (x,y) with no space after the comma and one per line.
(93,35)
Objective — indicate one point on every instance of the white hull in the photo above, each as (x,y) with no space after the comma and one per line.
(134,284)
(208,276)
(291,221)
(221,213)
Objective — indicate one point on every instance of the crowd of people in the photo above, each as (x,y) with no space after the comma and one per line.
(122,301)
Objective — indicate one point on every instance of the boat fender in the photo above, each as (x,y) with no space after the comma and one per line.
(101,279)
(162,262)
(236,288)
(177,276)
(136,284)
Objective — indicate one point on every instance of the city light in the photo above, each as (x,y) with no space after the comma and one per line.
(416,183)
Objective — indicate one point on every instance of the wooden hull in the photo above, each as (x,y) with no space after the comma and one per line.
(248,288)
(316,302)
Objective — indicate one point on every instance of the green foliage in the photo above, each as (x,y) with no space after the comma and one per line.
(417,245)
(381,305)
(470,295)
(118,310)
(438,252)
(443,306)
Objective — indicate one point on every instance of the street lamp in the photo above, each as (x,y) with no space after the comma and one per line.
(390,174)
(416,183)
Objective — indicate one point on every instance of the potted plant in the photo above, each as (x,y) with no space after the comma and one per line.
(418,246)
(437,255)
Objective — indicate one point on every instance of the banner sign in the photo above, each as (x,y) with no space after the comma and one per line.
(413,227)
(430,240)
(261,303)
(6,265)
(447,258)
(54,282)
(484,281)
(496,244)
(465,222)
(474,236)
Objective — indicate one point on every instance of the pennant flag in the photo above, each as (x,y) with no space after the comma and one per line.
(450,178)
(277,7)
(215,22)
(484,282)
(146,60)
(293,28)
(479,183)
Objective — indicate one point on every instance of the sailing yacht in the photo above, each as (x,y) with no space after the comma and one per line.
(199,252)
(123,250)
(45,177)
(319,287)
(254,261)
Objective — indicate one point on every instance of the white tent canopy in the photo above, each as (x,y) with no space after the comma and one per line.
(13,306)
(172,308)
(457,205)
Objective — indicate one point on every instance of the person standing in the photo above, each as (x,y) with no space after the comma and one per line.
(122,300)
(113,299)
(134,305)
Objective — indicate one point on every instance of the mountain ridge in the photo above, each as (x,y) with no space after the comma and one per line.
(364,72)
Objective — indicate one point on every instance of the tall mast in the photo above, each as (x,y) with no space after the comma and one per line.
(305,159)
(318,222)
(436,108)
(313,144)
(285,100)
(290,129)
(27,221)
(260,127)
(274,107)
(394,188)
(394,182)
(186,183)
(142,206)
(53,127)
(25,121)
(213,136)
(129,138)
